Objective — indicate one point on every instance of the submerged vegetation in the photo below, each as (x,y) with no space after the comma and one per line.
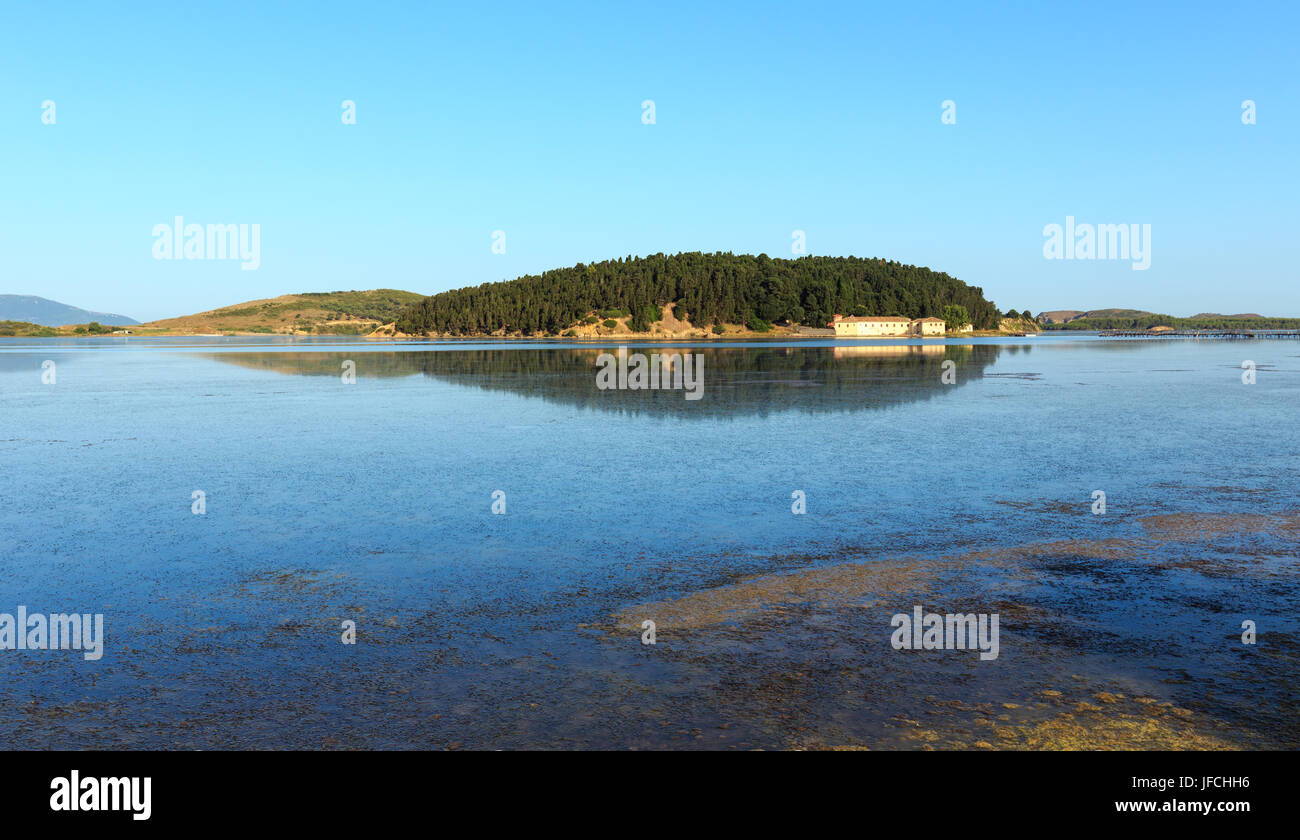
(707,289)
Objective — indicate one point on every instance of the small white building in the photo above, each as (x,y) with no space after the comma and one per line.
(870,325)
(928,326)
(889,326)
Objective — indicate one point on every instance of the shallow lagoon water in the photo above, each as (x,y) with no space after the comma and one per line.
(371,502)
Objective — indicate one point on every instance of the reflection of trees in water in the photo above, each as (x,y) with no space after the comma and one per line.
(737,380)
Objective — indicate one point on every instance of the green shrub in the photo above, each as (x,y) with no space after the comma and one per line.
(609,324)
(757,324)
(955,316)
(718,329)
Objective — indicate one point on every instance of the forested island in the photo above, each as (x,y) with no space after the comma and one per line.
(706,291)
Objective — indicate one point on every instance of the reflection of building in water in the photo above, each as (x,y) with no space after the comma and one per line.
(891,326)
(879,350)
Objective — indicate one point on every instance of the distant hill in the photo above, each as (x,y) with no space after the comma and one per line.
(320,313)
(717,291)
(1060,316)
(51,313)
(1065,316)
(1127,319)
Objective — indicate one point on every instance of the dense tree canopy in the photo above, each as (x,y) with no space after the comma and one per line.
(707,288)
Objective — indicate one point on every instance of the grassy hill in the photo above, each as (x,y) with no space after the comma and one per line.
(1065,316)
(311,313)
(25,329)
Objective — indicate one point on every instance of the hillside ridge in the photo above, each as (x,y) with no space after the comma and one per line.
(34,309)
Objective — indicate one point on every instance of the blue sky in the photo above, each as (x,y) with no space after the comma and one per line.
(473,118)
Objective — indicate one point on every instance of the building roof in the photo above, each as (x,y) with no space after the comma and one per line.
(862,318)
(931,318)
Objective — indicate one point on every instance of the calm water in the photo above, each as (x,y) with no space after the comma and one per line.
(372,502)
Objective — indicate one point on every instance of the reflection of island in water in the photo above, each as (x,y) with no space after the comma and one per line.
(737,381)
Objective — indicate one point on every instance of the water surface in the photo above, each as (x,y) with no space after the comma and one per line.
(372,502)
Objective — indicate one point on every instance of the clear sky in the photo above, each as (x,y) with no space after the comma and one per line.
(478,117)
